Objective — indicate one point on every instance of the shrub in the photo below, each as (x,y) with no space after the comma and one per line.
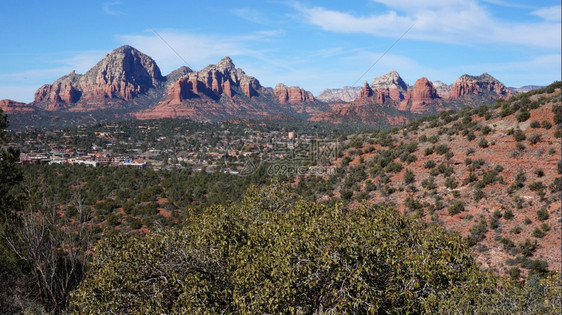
(542,214)
(523,116)
(535,124)
(429,164)
(528,248)
(441,149)
(534,138)
(536,186)
(546,124)
(538,233)
(519,135)
(456,207)
(451,183)
(295,258)
(515,230)
(483,143)
(409,177)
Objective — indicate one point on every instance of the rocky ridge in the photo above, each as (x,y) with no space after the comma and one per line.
(390,91)
(13,107)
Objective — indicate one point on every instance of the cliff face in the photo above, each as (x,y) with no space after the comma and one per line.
(391,85)
(421,98)
(375,101)
(222,91)
(128,83)
(482,84)
(121,75)
(344,94)
(292,95)
(13,107)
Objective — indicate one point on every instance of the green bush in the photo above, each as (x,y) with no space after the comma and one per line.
(523,116)
(456,207)
(256,257)
(542,214)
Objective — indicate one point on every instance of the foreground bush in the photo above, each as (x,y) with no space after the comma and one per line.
(272,253)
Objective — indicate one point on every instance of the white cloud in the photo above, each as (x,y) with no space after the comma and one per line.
(550,13)
(462,22)
(82,61)
(197,50)
(109,8)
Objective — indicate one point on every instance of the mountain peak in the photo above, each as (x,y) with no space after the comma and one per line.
(482,84)
(389,80)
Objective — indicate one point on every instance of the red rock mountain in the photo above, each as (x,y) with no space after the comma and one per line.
(223,91)
(128,84)
(130,81)
(483,84)
(423,97)
(120,77)
(13,107)
(390,92)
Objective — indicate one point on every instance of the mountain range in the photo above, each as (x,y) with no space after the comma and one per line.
(127,84)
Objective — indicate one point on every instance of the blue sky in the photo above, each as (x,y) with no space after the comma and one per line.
(313,44)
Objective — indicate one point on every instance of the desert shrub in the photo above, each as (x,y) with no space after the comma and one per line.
(523,116)
(483,143)
(456,207)
(295,258)
(508,214)
(542,214)
(535,124)
(546,124)
(538,233)
(441,149)
(409,177)
(534,138)
(429,164)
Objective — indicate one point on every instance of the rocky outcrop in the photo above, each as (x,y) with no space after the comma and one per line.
(13,107)
(421,98)
(344,94)
(442,88)
(222,91)
(122,75)
(484,85)
(391,86)
(366,92)
(292,95)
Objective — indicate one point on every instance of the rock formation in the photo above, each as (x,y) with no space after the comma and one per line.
(391,85)
(442,88)
(13,107)
(482,84)
(420,98)
(121,75)
(366,92)
(344,94)
(292,95)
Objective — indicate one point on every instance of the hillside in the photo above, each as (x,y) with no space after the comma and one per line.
(491,173)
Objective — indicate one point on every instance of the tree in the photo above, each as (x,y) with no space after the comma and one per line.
(46,253)
(275,253)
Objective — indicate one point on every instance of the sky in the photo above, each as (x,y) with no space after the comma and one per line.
(312,44)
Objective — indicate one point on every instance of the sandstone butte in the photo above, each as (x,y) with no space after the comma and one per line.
(127,83)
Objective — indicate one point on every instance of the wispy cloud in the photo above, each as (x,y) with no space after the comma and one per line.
(549,13)
(197,50)
(460,22)
(109,8)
